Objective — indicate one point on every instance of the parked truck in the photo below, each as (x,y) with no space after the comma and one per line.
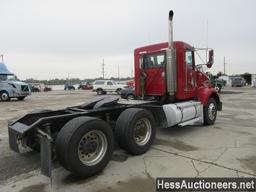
(104,86)
(10,87)
(217,83)
(238,82)
(171,90)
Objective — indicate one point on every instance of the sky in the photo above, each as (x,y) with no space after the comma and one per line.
(46,39)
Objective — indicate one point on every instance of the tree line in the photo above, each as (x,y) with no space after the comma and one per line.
(72,81)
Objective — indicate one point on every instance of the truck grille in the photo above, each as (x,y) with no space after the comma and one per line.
(24,88)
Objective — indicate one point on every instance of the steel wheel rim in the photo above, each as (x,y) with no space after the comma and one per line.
(92,147)
(211,111)
(143,131)
(4,96)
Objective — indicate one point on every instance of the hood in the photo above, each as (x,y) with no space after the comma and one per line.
(18,82)
(4,70)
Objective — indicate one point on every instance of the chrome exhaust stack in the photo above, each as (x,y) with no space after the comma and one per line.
(170,42)
(171,59)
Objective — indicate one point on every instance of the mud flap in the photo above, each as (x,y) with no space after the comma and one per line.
(46,156)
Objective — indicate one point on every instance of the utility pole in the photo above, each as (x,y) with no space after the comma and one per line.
(224,65)
(206,52)
(103,69)
(2,56)
(118,73)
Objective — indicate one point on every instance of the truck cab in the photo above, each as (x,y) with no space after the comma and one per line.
(10,87)
(168,72)
(152,63)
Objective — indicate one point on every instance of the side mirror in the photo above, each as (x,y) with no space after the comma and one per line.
(211,58)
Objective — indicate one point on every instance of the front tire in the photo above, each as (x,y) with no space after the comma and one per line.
(84,146)
(210,112)
(135,130)
(118,91)
(4,96)
(100,92)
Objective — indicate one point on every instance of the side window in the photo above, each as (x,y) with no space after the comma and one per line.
(154,60)
(160,60)
(109,83)
(189,58)
(99,83)
(3,77)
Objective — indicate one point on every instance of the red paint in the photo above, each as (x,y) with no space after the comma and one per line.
(130,83)
(152,87)
(191,84)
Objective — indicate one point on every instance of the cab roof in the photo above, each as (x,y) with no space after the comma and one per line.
(4,70)
(159,46)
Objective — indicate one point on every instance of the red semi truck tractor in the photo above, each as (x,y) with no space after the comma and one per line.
(172,92)
(167,71)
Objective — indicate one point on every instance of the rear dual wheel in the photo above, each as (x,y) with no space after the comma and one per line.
(84,146)
(135,130)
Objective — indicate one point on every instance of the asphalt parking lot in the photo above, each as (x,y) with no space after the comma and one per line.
(226,149)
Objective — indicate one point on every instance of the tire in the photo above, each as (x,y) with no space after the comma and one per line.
(210,112)
(4,96)
(75,140)
(125,130)
(118,91)
(130,97)
(20,98)
(100,91)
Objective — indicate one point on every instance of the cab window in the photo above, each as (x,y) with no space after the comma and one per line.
(109,83)
(3,77)
(99,83)
(154,60)
(189,58)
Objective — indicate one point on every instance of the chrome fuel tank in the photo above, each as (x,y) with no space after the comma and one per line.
(177,113)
